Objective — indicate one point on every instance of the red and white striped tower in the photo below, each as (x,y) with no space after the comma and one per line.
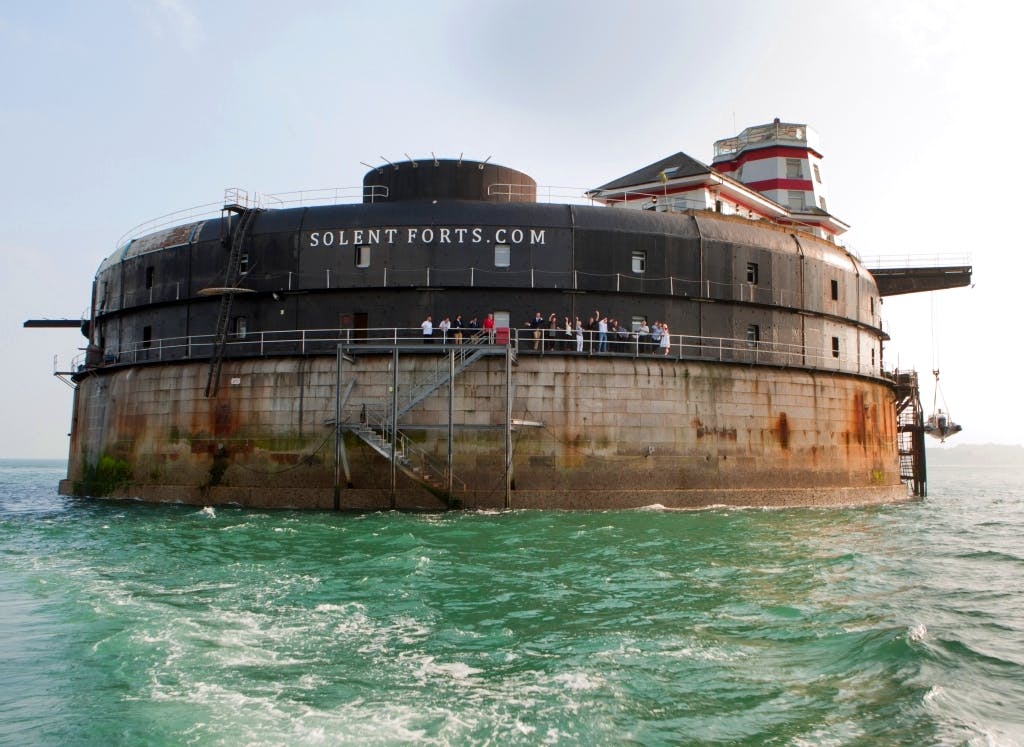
(780,160)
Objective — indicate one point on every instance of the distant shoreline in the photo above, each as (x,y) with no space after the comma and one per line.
(976,454)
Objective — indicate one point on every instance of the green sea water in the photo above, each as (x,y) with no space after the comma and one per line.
(124,623)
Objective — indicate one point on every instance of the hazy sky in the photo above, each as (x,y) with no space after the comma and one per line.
(113,113)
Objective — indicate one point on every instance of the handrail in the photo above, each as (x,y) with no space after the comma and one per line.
(907,261)
(377,420)
(325,341)
(377,192)
(207,210)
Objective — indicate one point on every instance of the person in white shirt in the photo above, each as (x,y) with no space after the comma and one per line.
(428,330)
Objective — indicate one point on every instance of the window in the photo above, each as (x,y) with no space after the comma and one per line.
(872,358)
(243,264)
(872,300)
(753,334)
(240,326)
(817,174)
(147,336)
(795,200)
(362,256)
(793,169)
(835,347)
(637,322)
(752,273)
(149,277)
(835,290)
(821,203)
(502,255)
(639,262)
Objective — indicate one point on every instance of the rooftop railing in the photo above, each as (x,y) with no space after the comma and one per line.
(897,261)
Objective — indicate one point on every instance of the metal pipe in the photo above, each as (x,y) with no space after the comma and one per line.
(508,426)
(394,424)
(451,408)
(337,431)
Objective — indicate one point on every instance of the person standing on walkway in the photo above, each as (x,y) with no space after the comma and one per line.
(457,326)
(428,330)
(489,328)
(666,339)
(538,330)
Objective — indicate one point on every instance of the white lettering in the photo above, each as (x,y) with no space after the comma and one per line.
(427,235)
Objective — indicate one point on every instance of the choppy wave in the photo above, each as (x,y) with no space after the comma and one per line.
(897,625)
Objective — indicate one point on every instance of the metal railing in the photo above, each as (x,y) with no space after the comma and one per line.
(900,261)
(552,342)
(378,419)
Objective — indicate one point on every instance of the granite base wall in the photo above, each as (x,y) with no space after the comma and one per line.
(601,432)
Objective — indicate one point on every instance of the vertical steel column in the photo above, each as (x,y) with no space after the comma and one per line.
(451,408)
(337,432)
(508,426)
(394,424)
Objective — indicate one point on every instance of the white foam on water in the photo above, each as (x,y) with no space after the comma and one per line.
(208,511)
(578,681)
(917,632)
(429,669)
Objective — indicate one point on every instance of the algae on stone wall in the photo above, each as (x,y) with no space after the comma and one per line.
(104,477)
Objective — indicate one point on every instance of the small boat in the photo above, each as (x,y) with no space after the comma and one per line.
(941,426)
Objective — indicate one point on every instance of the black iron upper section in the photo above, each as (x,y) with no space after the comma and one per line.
(447,179)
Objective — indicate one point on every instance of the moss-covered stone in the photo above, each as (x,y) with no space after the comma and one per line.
(104,477)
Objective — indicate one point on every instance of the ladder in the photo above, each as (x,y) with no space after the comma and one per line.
(232,275)
(910,433)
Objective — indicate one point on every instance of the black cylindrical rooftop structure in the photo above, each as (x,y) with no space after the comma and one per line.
(447,179)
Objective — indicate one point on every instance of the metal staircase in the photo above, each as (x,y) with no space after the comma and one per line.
(464,358)
(411,460)
(910,433)
(376,427)
(232,275)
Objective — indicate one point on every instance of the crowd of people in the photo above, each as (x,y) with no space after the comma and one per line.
(598,335)
(456,331)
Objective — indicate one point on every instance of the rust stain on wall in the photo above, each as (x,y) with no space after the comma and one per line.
(222,423)
(858,420)
(702,430)
(782,430)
